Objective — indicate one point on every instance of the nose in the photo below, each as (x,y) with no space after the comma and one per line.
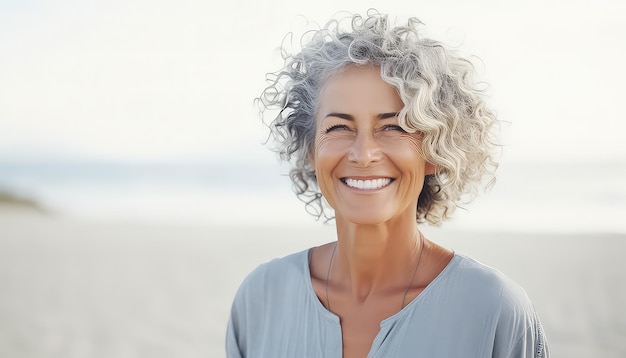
(365,150)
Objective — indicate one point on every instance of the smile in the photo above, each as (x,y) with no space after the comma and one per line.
(368,183)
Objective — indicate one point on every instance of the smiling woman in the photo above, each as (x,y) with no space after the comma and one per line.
(434,86)
(389,130)
(361,150)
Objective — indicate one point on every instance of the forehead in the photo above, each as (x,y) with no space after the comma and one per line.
(359,88)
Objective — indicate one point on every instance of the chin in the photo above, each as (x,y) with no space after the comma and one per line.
(371,218)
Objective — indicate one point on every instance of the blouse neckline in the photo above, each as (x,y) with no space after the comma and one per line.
(450,267)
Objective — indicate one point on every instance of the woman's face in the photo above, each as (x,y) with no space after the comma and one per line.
(368,168)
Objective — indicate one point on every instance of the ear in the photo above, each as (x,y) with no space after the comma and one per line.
(430,169)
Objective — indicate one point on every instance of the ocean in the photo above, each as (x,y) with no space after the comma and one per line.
(544,197)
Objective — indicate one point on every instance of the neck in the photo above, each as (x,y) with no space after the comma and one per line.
(376,258)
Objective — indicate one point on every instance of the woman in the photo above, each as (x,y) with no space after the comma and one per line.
(389,130)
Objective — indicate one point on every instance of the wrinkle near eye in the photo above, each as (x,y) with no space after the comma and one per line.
(322,140)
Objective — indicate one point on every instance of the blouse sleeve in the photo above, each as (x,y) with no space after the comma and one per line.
(532,344)
(237,324)
(232,343)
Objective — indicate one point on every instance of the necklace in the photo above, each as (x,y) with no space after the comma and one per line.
(408,288)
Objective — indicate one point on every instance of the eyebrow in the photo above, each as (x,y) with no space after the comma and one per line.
(349,117)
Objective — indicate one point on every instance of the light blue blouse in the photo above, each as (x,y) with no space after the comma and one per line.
(469,310)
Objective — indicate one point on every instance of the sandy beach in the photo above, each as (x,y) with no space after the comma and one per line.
(77,288)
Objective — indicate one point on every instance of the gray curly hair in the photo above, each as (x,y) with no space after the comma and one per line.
(441,100)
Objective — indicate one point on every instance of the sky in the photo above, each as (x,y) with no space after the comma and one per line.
(151,80)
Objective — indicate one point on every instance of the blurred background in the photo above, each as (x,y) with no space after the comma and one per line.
(135,191)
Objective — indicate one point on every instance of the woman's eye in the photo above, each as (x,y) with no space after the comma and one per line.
(336,127)
(393,127)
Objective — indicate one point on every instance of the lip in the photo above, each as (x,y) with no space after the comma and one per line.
(367,177)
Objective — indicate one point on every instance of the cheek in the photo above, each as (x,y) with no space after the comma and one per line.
(415,145)
(406,149)
(325,160)
(406,154)
(327,151)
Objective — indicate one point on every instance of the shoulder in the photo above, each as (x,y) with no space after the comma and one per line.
(487,283)
(515,322)
(488,287)
(287,267)
(273,278)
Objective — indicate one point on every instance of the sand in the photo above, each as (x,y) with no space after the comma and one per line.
(75,288)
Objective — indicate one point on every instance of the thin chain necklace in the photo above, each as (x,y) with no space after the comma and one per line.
(408,288)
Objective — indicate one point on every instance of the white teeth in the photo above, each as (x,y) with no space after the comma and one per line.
(368,184)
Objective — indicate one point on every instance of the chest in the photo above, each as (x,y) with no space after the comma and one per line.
(361,323)
(358,332)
